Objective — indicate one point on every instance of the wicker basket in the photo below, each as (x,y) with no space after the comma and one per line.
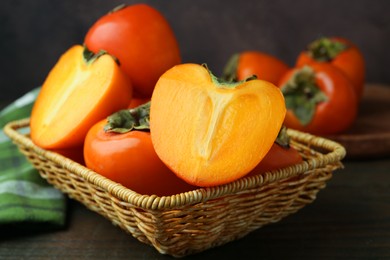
(197,220)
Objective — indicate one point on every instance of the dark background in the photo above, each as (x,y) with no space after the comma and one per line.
(35,33)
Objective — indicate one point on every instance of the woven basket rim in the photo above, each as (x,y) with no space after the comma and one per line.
(336,152)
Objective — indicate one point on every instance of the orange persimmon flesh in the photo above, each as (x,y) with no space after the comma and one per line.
(209,132)
(75,95)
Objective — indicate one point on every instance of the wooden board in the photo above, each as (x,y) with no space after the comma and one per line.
(369,137)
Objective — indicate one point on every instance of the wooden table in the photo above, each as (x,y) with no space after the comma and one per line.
(350,219)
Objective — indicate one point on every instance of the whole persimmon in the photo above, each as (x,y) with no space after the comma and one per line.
(340,53)
(141,39)
(245,64)
(320,99)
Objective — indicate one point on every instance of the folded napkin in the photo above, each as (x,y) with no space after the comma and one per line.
(26,199)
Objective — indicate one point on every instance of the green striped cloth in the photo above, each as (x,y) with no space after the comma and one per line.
(26,199)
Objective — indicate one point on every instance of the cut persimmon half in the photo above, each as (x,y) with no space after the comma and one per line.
(81,89)
(210,132)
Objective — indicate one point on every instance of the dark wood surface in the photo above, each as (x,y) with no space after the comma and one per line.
(369,136)
(350,219)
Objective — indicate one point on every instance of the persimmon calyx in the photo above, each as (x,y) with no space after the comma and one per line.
(127,120)
(325,49)
(90,57)
(283,139)
(226,83)
(230,71)
(302,94)
(117,8)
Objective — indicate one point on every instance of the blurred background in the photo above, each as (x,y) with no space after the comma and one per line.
(35,33)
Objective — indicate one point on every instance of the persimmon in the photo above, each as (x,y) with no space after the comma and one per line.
(339,52)
(320,99)
(210,132)
(245,64)
(120,148)
(142,40)
(81,89)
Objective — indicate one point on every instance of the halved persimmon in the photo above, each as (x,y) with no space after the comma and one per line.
(210,132)
(81,89)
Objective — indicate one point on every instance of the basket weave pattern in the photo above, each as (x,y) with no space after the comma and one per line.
(197,220)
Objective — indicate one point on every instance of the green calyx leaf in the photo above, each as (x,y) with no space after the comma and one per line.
(117,8)
(90,57)
(229,73)
(302,94)
(325,49)
(227,84)
(283,139)
(127,120)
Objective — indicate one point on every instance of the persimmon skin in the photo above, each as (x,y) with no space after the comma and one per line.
(264,66)
(76,95)
(350,61)
(130,160)
(142,40)
(333,116)
(278,157)
(211,135)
